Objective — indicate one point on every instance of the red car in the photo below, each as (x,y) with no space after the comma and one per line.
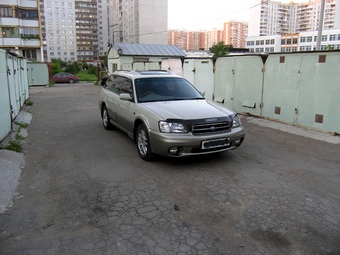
(65,78)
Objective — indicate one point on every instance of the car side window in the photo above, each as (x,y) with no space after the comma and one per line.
(109,83)
(127,87)
(117,83)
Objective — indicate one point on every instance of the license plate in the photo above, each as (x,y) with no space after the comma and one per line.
(216,143)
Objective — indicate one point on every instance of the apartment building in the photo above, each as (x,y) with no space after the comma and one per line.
(235,33)
(20,28)
(74,30)
(213,36)
(194,40)
(304,41)
(272,17)
(187,40)
(138,21)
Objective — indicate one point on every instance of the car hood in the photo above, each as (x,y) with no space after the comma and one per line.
(188,109)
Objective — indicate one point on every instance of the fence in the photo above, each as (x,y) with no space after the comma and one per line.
(301,89)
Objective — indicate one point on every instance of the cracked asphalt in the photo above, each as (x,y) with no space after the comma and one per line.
(84,190)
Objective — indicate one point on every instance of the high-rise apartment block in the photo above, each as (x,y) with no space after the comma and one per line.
(187,40)
(235,33)
(276,18)
(79,30)
(74,30)
(194,40)
(138,21)
(20,28)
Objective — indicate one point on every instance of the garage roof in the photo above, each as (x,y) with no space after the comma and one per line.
(148,50)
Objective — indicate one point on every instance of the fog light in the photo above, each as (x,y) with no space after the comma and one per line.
(238,142)
(173,150)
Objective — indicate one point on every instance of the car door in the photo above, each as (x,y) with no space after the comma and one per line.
(111,97)
(57,77)
(126,108)
(65,77)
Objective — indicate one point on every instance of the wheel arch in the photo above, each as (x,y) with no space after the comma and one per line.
(135,126)
(101,108)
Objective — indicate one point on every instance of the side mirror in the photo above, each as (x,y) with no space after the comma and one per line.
(125,97)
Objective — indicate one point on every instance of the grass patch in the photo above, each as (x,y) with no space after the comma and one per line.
(21,125)
(84,76)
(30,103)
(14,145)
(19,137)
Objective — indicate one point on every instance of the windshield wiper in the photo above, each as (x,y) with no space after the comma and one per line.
(196,98)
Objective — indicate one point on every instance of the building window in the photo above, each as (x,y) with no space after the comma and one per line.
(28,14)
(289,41)
(30,54)
(303,39)
(283,41)
(6,12)
(9,32)
(324,38)
(309,38)
(294,40)
(332,37)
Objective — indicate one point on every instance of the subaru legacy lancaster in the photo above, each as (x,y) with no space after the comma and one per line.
(166,115)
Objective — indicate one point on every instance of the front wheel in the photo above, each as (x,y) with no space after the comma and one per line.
(71,81)
(106,118)
(143,143)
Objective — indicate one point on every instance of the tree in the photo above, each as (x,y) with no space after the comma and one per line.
(329,47)
(73,67)
(219,49)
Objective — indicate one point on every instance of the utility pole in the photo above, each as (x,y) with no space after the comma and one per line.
(322,14)
(113,32)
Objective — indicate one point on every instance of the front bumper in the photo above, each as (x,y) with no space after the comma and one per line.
(189,144)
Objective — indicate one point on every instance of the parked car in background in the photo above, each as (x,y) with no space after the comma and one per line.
(167,115)
(65,78)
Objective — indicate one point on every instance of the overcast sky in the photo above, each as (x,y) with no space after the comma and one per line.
(206,15)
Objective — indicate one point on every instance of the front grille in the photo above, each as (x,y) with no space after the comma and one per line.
(218,127)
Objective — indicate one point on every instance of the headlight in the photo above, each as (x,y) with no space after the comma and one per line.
(236,121)
(171,127)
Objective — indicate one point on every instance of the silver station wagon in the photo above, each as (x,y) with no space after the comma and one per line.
(166,115)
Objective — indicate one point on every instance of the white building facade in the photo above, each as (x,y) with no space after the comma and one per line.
(74,30)
(138,21)
(20,28)
(304,41)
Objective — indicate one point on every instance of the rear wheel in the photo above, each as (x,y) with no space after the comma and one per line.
(143,143)
(71,81)
(106,118)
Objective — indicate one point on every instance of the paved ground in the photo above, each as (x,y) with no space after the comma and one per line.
(84,190)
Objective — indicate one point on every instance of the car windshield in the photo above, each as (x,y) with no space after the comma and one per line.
(165,89)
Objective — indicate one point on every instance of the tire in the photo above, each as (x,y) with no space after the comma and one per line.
(143,143)
(106,118)
(70,81)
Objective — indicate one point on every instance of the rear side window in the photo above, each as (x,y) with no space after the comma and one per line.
(119,84)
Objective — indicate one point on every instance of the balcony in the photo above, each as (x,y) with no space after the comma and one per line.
(18,42)
(9,21)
